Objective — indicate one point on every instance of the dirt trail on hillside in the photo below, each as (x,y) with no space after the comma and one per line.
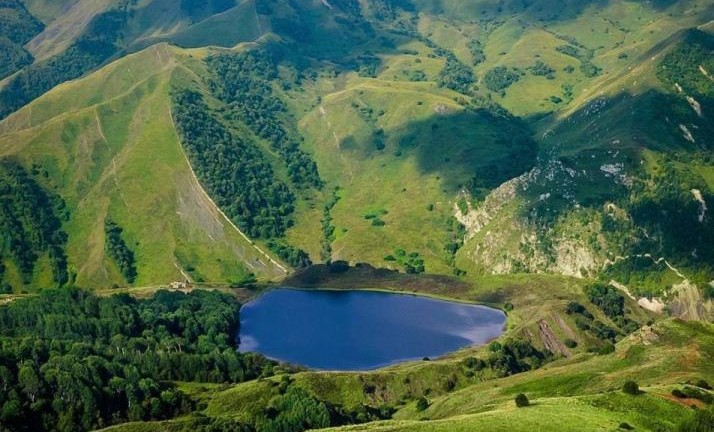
(114,159)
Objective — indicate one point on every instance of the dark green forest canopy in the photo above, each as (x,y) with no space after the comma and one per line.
(119,251)
(72,361)
(233,170)
(17,27)
(244,82)
(29,223)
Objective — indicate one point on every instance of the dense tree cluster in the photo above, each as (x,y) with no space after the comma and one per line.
(97,44)
(477,52)
(72,361)
(243,80)
(455,75)
(118,250)
(585,321)
(412,262)
(665,204)
(510,357)
(233,170)
(500,78)
(681,65)
(456,232)
(29,225)
(296,410)
(328,229)
(584,55)
(290,254)
(607,298)
(17,27)
(541,68)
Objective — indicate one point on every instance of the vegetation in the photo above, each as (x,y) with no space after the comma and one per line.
(584,56)
(500,78)
(290,254)
(328,229)
(522,400)
(631,388)
(477,53)
(29,224)
(620,166)
(232,169)
(119,251)
(540,68)
(243,81)
(681,66)
(455,75)
(412,262)
(17,27)
(72,361)
(97,44)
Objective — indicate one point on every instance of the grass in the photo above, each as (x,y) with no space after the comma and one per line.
(582,392)
(108,146)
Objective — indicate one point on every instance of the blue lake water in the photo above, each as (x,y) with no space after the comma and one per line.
(360,330)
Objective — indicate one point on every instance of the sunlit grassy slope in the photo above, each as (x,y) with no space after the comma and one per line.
(107,145)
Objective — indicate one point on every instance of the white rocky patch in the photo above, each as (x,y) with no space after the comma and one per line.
(695,105)
(702,204)
(686,133)
(612,169)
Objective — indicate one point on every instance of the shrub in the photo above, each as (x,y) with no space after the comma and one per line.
(703,384)
(500,78)
(522,400)
(678,394)
(631,388)
(422,404)
(608,348)
(625,426)
(570,343)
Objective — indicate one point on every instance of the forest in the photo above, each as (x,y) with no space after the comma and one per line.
(243,81)
(73,361)
(18,27)
(29,225)
(233,170)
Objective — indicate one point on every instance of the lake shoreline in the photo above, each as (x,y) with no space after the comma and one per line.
(362,329)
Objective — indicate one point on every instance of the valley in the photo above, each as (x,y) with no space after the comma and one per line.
(549,159)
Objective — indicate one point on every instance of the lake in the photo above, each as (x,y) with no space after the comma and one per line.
(360,330)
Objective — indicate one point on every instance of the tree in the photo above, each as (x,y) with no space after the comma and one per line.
(29,382)
(522,400)
(631,388)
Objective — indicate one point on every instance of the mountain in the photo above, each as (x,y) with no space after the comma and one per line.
(553,159)
(107,147)
(446,139)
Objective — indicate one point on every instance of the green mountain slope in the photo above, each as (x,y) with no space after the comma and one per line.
(107,146)
(407,110)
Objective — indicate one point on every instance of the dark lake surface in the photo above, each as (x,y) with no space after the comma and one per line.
(359,330)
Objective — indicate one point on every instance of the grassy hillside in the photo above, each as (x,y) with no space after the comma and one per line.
(107,145)
(582,390)
(409,110)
